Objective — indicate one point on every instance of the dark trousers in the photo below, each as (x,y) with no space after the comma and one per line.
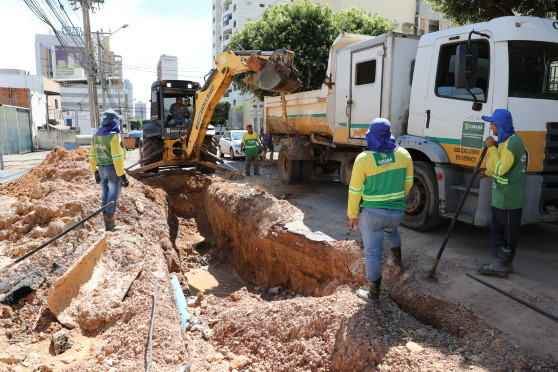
(504,229)
(249,158)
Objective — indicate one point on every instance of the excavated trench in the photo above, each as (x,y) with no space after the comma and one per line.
(228,236)
(266,293)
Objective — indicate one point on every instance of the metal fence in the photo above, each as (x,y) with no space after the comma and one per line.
(15,130)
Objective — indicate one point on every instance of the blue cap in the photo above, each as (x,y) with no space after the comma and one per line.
(499,115)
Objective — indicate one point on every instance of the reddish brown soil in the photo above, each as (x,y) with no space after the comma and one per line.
(176,221)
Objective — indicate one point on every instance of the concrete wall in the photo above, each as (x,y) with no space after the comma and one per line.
(49,139)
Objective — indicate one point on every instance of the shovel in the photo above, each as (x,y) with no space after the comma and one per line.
(432,272)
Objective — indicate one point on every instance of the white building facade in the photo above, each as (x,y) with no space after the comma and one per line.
(140,110)
(167,68)
(65,64)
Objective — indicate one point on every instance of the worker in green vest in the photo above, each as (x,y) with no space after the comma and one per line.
(382,177)
(106,159)
(250,144)
(506,163)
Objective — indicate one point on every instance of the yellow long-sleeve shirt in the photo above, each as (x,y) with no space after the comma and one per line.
(380,180)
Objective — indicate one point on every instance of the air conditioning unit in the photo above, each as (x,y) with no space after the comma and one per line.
(407,27)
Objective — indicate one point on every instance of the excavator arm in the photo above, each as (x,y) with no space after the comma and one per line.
(273,71)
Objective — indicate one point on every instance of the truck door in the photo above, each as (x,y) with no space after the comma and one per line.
(365,94)
(450,118)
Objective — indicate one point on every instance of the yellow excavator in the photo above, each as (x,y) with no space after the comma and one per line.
(167,143)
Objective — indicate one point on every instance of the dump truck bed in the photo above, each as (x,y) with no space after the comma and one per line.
(306,114)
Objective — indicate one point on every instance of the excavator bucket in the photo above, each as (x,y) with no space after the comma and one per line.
(277,74)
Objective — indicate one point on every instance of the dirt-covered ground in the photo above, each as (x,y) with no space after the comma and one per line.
(298,311)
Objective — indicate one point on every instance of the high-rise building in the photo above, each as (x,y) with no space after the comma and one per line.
(167,68)
(408,16)
(140,109)
(229,16)
(64,59)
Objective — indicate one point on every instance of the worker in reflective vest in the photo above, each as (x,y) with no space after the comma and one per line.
(382,177)
(250,143)
(506,163)
(106,159)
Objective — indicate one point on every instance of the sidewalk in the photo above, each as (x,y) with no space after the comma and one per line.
(16,166)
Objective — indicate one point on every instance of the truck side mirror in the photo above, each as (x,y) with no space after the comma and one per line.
(466,67)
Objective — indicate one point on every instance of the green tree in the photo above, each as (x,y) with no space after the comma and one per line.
(308,29)
(221,113)
(472,11)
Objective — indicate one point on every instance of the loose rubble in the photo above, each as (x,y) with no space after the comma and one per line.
(298,311)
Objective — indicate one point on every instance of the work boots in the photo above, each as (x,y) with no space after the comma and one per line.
(373,292)
(110,225)
(500,264)
(495,268)
(396,260)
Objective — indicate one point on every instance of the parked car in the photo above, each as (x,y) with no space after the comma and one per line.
(230,144)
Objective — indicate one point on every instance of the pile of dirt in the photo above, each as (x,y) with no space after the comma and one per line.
(302,316)
(109,335)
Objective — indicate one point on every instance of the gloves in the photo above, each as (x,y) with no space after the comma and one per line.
(125,182)
(97,177)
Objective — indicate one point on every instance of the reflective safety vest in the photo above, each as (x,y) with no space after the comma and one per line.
(106,150)
(380,180)
(506,164)
(250,142)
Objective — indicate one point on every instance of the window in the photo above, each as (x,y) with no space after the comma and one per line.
(433,25)
(234,24)
(234,8)
(365,72)
(533,69)
(262,6)
(56,104)
(445,77)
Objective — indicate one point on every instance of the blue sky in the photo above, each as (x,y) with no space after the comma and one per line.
(156,27)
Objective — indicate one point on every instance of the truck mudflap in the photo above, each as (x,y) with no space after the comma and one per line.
(277,74)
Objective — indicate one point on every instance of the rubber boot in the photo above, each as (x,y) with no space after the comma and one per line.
(396,260)
(499,266)
(110,225)
(373,292)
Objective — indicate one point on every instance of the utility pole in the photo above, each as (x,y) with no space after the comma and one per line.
(101,69)
(91,69)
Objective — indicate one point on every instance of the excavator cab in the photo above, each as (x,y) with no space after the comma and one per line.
(164,94)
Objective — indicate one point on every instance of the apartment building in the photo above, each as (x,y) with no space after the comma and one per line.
(408,16)
(167,68)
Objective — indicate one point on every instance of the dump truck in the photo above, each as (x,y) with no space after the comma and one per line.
(434,89)
(187,144)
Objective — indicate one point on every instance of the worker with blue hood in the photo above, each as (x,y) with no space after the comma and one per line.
(506,163)
(106,159)
(382,177)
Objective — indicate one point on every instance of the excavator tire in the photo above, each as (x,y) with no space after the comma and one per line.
(150,145)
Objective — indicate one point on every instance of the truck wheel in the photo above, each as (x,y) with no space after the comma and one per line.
(289,170)
(231,154)
(306,170)
(150,145)
(422,211)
